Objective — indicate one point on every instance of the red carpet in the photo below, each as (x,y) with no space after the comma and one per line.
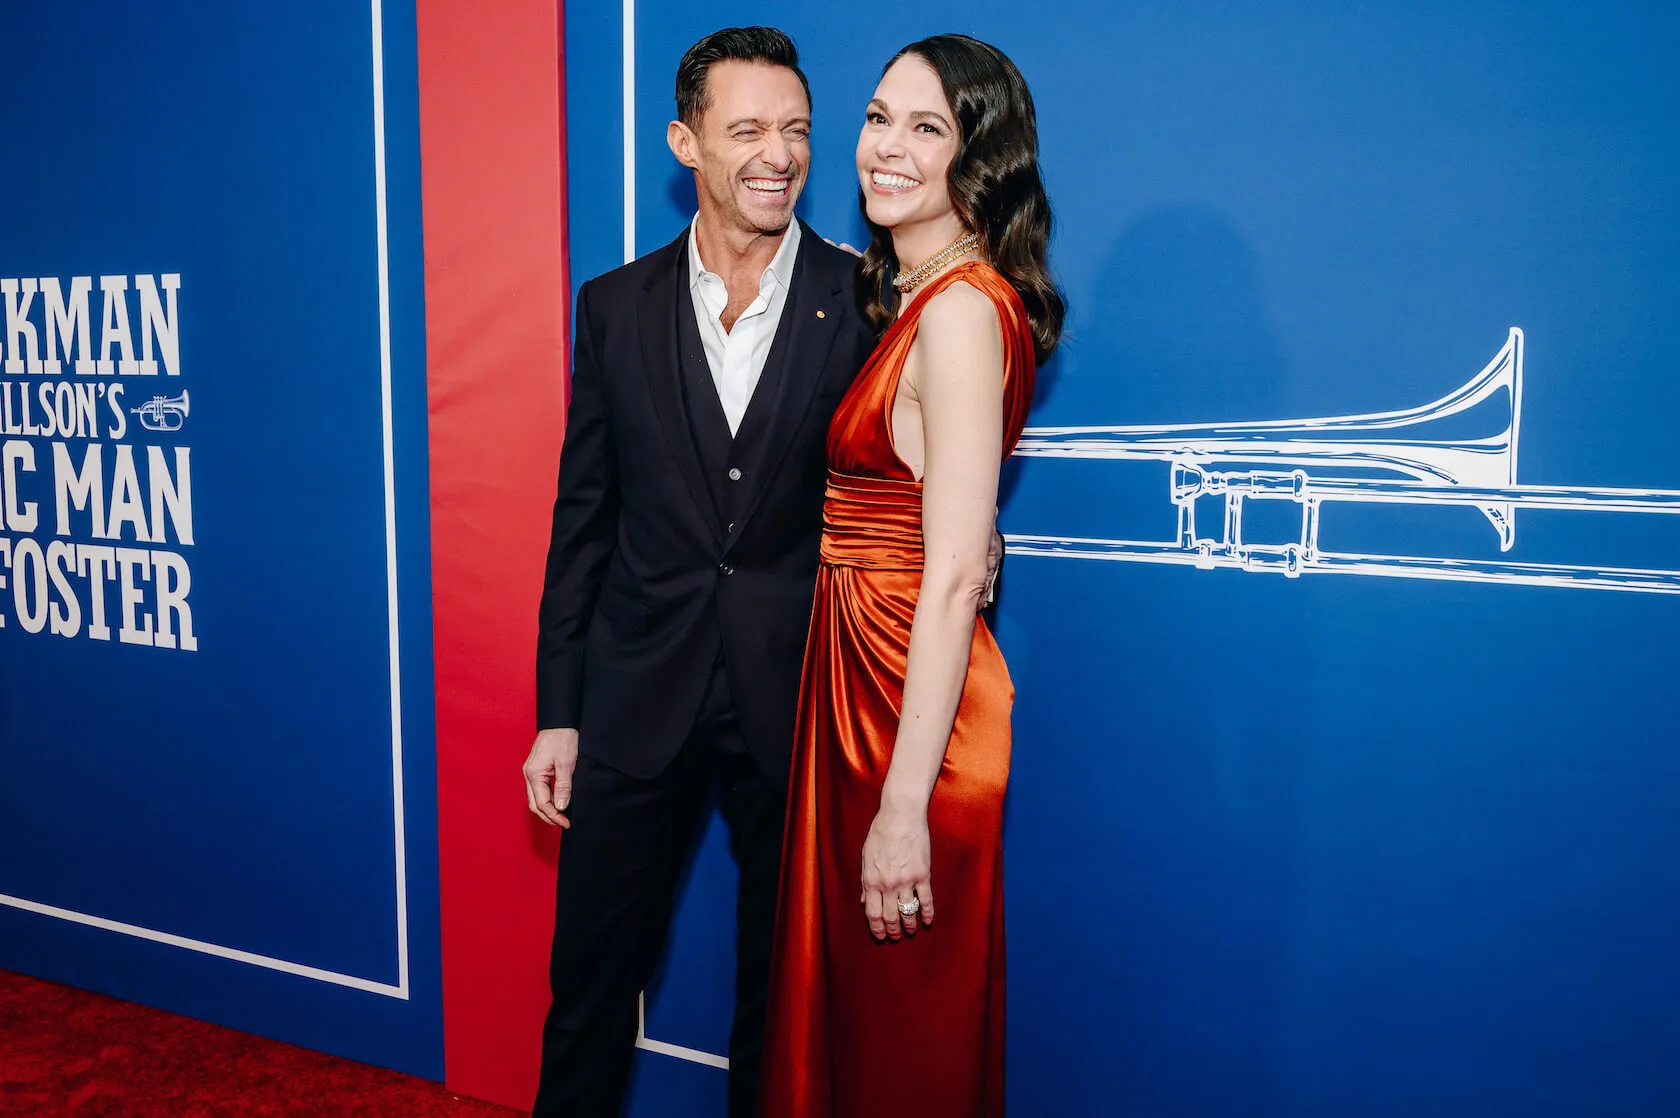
(80,1055)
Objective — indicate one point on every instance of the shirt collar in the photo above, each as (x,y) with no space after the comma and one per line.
(781,265)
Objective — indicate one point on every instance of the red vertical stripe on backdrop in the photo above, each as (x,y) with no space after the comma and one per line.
(492,177)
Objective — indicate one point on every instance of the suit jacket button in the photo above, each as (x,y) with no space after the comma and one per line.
(734,473)
(725,569)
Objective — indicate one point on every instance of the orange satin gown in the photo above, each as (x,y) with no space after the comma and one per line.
(855,1026)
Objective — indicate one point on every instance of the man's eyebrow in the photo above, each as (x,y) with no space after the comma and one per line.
(757,123)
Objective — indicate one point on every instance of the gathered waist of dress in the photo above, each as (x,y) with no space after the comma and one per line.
(872,522)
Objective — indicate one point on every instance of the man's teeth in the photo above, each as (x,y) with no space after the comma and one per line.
(893,182)
(768,186)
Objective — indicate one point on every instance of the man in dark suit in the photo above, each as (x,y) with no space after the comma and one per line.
(682,563)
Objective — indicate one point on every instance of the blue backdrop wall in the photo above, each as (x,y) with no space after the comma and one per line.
(1387,845)
(216,789)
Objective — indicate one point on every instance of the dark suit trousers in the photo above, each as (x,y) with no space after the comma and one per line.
(619,867)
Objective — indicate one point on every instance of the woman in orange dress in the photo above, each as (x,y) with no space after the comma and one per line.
(882,998)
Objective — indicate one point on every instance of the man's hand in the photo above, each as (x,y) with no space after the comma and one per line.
(548,775)
(994,564)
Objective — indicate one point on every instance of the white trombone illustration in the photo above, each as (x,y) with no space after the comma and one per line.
(1397,457)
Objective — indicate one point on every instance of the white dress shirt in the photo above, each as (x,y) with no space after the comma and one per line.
(736,356)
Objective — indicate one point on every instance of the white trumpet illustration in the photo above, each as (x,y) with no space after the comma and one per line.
(1397,457)
(163,413)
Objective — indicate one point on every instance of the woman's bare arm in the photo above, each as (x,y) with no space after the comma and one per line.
(955,370)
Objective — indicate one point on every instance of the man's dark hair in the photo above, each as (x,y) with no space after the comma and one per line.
(732,44)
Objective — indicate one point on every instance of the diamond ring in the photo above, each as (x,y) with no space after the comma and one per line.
(909,907)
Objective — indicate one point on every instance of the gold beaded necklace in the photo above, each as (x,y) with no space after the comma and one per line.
(907,282)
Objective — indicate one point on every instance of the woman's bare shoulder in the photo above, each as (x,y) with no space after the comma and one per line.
(959,311)
(959,302)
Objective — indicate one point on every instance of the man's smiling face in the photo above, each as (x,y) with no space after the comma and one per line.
(752,148)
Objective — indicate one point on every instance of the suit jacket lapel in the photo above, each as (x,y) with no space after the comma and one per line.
(664,298)
(796,360)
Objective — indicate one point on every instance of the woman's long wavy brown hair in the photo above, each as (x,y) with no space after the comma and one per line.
(994,182)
